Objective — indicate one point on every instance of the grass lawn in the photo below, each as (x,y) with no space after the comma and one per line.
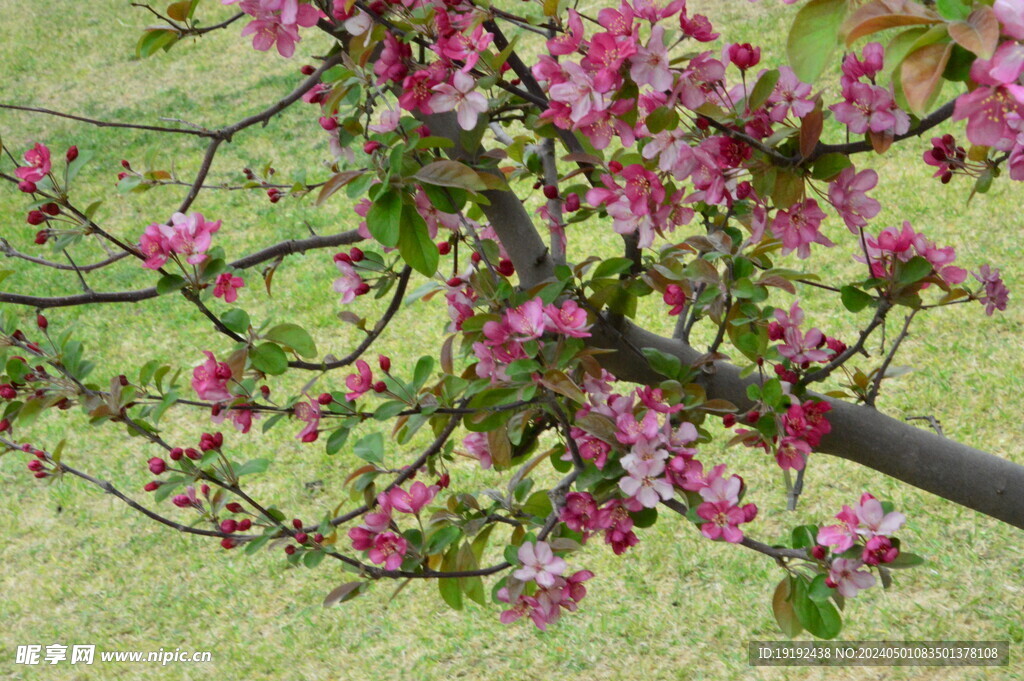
(80,567)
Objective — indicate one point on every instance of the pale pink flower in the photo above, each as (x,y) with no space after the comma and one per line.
(650,64)
(848,193)
(413,501)
(360,382)
(1011,15)
(569,319)
(309,412)
(645,484)
(539,564)
(192,236)
(798,228)
(476,445)
(846,577)
(874,520)
(348,283)
(459,96)
(996,296)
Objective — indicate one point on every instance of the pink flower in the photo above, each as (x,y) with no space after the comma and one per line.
(676,297)
(539,564)
(277,21)
(390,64)
(644,484)
(308,411)
(619,526)
(879,550)
(848,194)
(569,319)
(459,97)
(699,27)
(719,489)
(38,160)
(227,287)
(192,236)
(210,379)
(843,535)
(241,418)
(525,605)
(807,421)
(790,96)
(650,64)
(155,244)
(792,453)
(870,107)
(723,519)
(527,322)
(798,346)
(418,90)
(798,227)
(996,294)
(579,513)
(349,283)
(742,56)
(389,549)
(856,68)
(987,107)
(360,382)
(1011,15)
(846,577)
(568,42)
(413,501)
(874,520)
(476,445)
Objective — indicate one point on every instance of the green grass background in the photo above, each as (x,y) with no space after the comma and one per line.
(79,567)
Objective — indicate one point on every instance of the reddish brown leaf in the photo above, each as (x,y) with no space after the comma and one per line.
(880,141)
(810,131)
(882,14)
(979,34)
(921,73)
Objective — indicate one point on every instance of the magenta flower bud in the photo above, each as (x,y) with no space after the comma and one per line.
(50,208)
(729,420)
(193,454)
(615,167)
(35,465)
(244,524)
(42,236)
(444,481)
(444,248)
(152,485)
(362,289)
(301,537)
(744,56)
(228,543)
(5,425)
(234,507)
(379,387)
(72,153)
(265,391)
(324,398)
(35,217)
(342,257)
(385,363)
(356,254)
(506,268)
(125,164)
(181,501)
(311,436)
(819,552)
(328,123)
(8,392)
(205,489)
(289,549)
(41,474)
(157,465)
(41,322)
(551,191)
(229,525)
(27,186)
(371,147)
(307,70)
(297,523)
(572,202)
(176,453)
(318,537)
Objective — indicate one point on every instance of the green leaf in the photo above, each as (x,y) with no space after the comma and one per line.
(905,560)
(154,39)
(337,440)
(236,319)
(662,118)
(424,368)
(804,536)
(828,166)
(814,36)
(820,591)
(913,271)
(645,517)
(442,539)
(84,156)
(269,358)
(385,218)
(169,283)
(954,10)
(612,267)
(782,608)
(371,448)
(820,618)
(313,558)
(662,362)
(763,89)
(539,504)
(414,243)
(294,337)
(252,466)
(450,174)
(854,299)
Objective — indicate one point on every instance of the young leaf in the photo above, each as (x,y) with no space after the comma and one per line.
(814,36)
(294,337)
(415,245)
(385,217)
(450,174)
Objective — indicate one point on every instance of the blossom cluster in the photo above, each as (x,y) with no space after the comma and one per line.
(187,235)
(553,593)
(384,546)
(868,526)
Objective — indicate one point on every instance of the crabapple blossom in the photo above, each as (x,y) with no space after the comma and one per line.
(210,379)
(227,286)
(459,96)
(540,564)
(360,382)
(39,165)
(846,577)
